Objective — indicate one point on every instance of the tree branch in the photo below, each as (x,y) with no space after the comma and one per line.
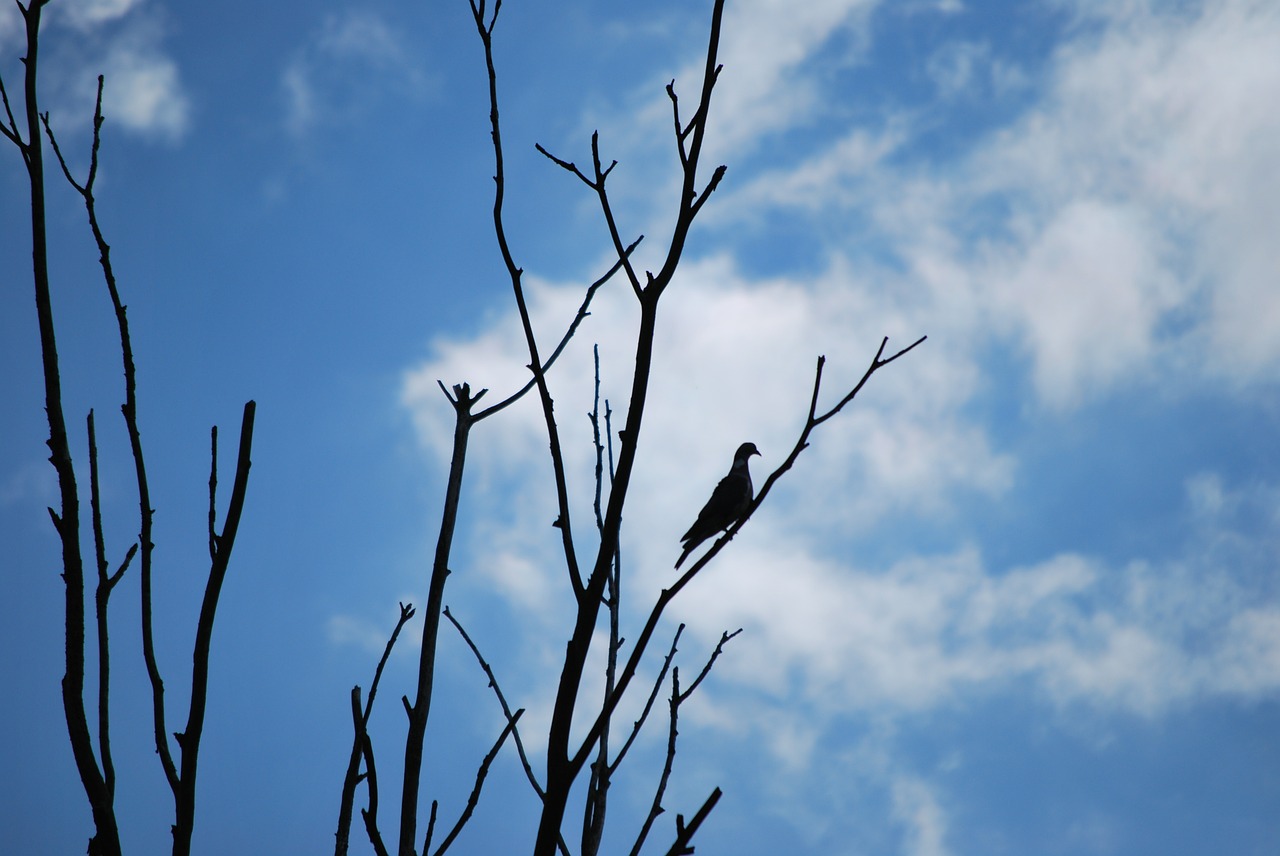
(106,583)
(420,710)
(685,832)
(474,799)
(106,838)
(677,698)
(516,274)
(370,815)
(564,340)
(360,722)
(502,700)
(189,740)
(653,696)
(562,767)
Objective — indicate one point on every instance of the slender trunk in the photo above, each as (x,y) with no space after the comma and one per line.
(106,839)
(561,769)
(421,707)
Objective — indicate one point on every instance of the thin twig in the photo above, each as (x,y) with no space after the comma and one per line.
(370,815)
(432,816)
(719,649)
(502,700)
(653,696)
(130,412)
(474,799)
(678,698)
(578,318)
(655,806)
(102,594)
(360,721)
(685,832)
(420,710)
(10,129)
(516,274)
(597,796)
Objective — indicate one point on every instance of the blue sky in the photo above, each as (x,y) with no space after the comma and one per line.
(1020,598)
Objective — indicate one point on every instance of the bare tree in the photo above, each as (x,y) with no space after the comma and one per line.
(597,585)
(594,588)
(95,766)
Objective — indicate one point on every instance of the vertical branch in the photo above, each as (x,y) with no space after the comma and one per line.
(564,522)
(677,698)
(419,710)
(130,411)
(360,721)
(222,544)
(106,839)
(655,808)
(562,766)
(370,815)
(597,797)
(102,594)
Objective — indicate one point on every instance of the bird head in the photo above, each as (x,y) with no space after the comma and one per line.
(746,450)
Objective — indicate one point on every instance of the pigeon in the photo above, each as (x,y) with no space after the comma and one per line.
(727,503)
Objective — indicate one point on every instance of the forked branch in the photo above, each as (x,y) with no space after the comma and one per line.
(360,723)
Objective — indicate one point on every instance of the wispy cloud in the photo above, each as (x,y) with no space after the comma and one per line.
(1103,255)
(123,40)
(824,638)
(144,91)
(90,14)
(916,807)
(32,484)
(349,56)
(1111,230)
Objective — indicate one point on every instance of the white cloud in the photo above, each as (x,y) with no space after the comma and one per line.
(371,635)
(299,96)
(1117,229)
(916,807)
(11,28)
(955,66)
(768,84)
(965,68)
(143,90)
(831,176)
(123,41)
(1091,230)
(88,14)
(736,363)
(931,629)
(1088,290)
(350,57)
(1150,164)
(32,484)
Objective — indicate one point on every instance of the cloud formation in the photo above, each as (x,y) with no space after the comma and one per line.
(1101,231)
(347,58)
(123,40)
(1111,230)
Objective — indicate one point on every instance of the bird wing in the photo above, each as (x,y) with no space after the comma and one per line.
(725,505)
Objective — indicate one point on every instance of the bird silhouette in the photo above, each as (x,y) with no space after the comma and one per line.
(727,503)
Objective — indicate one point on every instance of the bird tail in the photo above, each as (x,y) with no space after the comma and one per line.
(683,556)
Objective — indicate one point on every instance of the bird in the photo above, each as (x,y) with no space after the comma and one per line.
(728,502)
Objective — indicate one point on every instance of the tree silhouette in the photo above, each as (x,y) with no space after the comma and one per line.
(95,766)
(595,586)
(593,563)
